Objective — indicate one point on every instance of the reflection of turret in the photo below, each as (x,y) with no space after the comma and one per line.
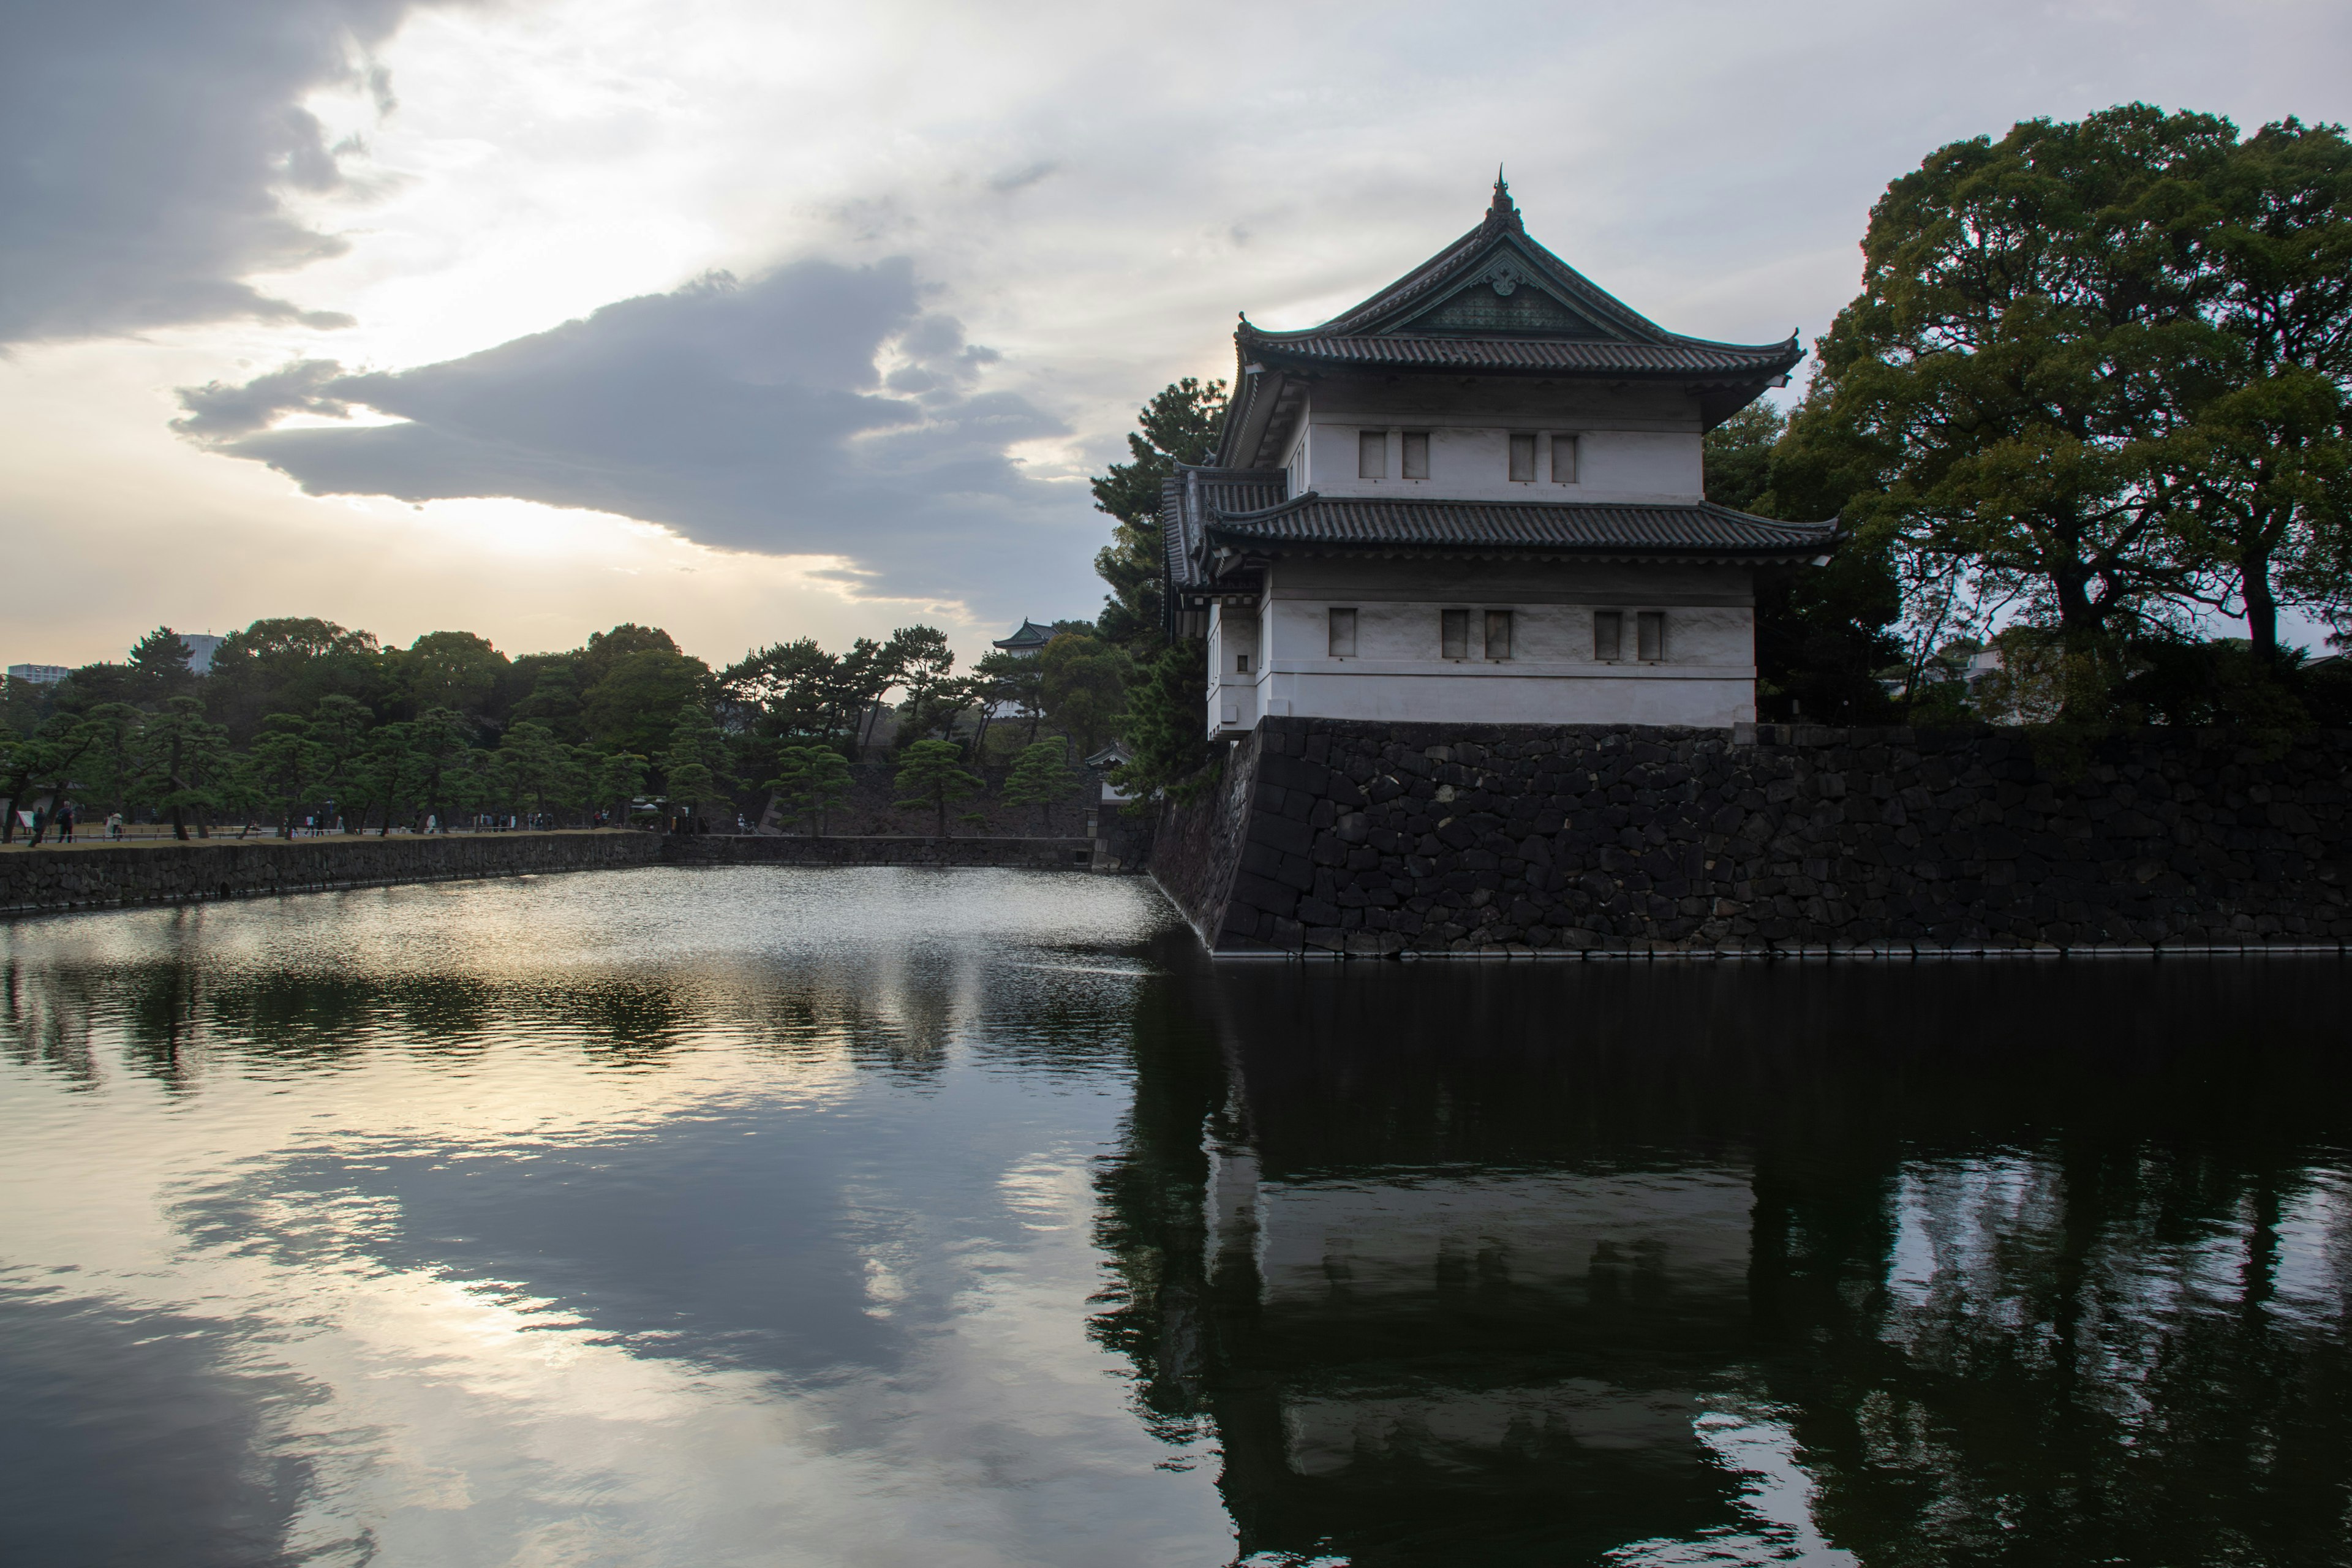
(1457,1261)
(1399,1302)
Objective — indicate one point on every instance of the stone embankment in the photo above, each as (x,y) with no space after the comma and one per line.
(1037,854)
(100,876)
(1331,837)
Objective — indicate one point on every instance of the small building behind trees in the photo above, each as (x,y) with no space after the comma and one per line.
(1477,497)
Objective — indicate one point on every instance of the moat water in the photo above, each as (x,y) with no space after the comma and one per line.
(879,1218)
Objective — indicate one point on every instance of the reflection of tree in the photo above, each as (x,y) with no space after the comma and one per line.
(2028,1286)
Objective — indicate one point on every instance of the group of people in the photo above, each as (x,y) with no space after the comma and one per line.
(41,822)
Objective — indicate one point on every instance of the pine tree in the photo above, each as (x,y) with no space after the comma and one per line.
(1041,776)
(1178,425)
(931,773)
(182,757)
(808,780)
(695,766)
(1165,727)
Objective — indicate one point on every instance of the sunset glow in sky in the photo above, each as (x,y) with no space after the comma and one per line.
(759,320)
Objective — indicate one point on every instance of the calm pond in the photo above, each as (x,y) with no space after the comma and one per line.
(915,1217)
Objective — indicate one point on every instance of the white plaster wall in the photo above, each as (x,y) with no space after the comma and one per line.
(1707,675)
(1637,444)
(1233,694)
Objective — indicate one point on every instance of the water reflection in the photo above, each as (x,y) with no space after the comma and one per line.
(722,1219)
(889,1216)
(1675,1264)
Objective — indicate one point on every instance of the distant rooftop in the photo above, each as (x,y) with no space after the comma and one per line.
(1028,640)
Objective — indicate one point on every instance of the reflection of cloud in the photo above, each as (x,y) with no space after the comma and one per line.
(340,1223)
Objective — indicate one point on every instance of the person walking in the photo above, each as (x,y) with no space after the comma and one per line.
(114,824)
(65,823)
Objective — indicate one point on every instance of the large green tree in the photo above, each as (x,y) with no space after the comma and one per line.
(2264,449)
(635,705)
(2096,376)
(450,669)
(1999,393)
(1178,425)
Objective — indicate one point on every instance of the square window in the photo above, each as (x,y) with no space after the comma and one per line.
(1371,453)
(1343,634)
(1416,454)
(1563,460)
(1609,634)
(1652,634)
(1454,634)
(1241,663)
(1523,458)
(1498,634)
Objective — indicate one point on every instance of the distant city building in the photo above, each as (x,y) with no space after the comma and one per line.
(200,647)
(1477,497)
(38,674)
(1031,638)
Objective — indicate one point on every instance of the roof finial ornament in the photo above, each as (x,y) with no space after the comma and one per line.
(1501,210)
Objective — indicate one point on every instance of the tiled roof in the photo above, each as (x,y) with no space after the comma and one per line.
(1494,302)
(1188,499)
(1030,634)
(1549,527)
(1681,356)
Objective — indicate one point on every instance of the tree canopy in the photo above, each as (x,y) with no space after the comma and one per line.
(1178,425)
(2096,380)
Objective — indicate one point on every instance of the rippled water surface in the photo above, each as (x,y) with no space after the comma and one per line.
(884,1217)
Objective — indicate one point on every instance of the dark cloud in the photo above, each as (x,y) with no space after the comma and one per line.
(819,409)
(146,143)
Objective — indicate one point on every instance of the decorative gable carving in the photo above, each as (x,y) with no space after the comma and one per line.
(1504,300)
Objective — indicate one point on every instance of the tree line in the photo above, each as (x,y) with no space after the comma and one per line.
(300,719)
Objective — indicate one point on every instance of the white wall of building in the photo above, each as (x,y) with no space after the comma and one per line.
(1399,672)
(1640,445)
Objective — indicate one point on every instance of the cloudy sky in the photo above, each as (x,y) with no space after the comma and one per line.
(756,318)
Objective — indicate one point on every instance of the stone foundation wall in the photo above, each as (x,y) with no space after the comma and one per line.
(1375,838)
(100,875)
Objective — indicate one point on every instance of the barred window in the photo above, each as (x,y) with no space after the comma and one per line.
(1454,634)
(1608,635)
(1416,455)
(1498,634)
(1652,634)
(1523,458)
(1372,454)
(1343,634)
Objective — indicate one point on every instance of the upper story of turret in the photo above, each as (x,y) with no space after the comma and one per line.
(1494,371)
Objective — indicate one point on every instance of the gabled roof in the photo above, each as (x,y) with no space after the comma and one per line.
(1494,302)
(1029,637)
